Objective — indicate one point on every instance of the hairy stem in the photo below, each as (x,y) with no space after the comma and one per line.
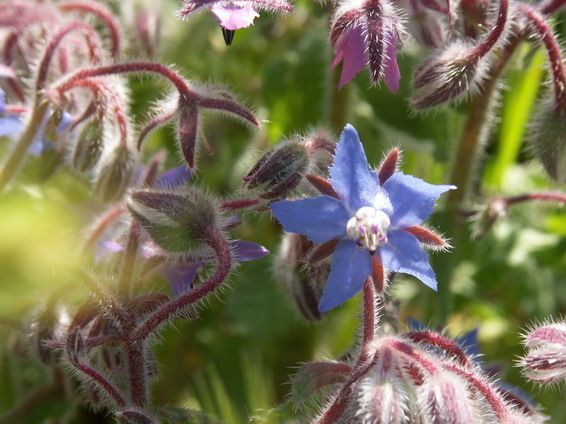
(168,311)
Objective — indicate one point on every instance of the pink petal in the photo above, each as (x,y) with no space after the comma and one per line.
(232,16)
(350,50)
(391,73)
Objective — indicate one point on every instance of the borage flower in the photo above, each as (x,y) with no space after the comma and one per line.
(367,33)
(373,220)
(233,15)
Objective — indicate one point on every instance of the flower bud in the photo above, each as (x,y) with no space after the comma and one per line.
(89,146)
(178,221)
(135,416)
(444,398)
(548,135)
(447,76)
(545,361)
(302,283)
(280,170)
(115,173)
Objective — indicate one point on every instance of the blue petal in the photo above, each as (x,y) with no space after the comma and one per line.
(10,126)
(320,219)
(181,277)
(403,253)
(245,251)
(174,177)
(416,325)
(412,198)
(2,100)
(350,174)
(349,270)
(469,343)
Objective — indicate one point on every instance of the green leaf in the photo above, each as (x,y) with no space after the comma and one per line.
(517,105)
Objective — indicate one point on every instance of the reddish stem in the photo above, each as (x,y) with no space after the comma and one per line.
(100,381)
(485,47)
(102,225)
(441,342)
(495,401)
(91,39)
(153,124)
(546,197)
(553,50)
(132,67)
(102,13)
(168,311)
(552,6)
(369,320)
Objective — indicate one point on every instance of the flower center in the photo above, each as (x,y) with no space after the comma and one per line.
(368,227)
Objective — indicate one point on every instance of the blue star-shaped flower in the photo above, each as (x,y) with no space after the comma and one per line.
(368,219)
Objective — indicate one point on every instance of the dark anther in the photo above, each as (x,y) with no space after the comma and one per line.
(228,35)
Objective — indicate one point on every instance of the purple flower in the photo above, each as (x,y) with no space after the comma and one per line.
(367,34)
(233,15)
(371,221)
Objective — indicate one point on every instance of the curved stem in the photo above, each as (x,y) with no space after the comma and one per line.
(102,13)
(493,37)
(17,155)
(168,311)
(555,58)
(102,225)
(131,67)
(44,64)
(547,197)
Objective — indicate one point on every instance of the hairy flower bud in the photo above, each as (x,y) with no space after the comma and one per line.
(447,76)
(303,283)
(548,135)
(177,221)
(115,173)
(279,170)
(446,399)
(545,361)
(89,146)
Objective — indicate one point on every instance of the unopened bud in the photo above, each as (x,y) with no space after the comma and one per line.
(447,76)
(488,216)
(177,221)
(115,174)
(548,135)
(136,416)
(280,170)
(89,146)
(444,398)
(545,361)
(302,283)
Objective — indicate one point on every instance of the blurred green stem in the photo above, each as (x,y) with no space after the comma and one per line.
(339,101)
(29,134)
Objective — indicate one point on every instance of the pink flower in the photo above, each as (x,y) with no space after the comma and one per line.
(367,34)
(232,16)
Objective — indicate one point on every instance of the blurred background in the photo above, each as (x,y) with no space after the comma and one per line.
(235,360)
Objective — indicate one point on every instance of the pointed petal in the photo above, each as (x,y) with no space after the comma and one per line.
(402,253)
(232,17)
(349,270)
(245,251)
(391,73)
(181,277)
(174,177)
(320,219)
(413,199)
(350,174)
(351,51)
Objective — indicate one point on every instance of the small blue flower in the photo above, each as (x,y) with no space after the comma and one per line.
(11,126)
(368,219)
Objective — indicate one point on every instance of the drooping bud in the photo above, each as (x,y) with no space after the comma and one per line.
(302,283)
(448,75)
(486,217)
(444,398)
(548,137)
(89,146)
(177,221)
(115,173)
(382,396)
(545,361)
(279,170)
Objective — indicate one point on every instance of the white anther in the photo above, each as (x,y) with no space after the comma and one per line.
(368,227)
